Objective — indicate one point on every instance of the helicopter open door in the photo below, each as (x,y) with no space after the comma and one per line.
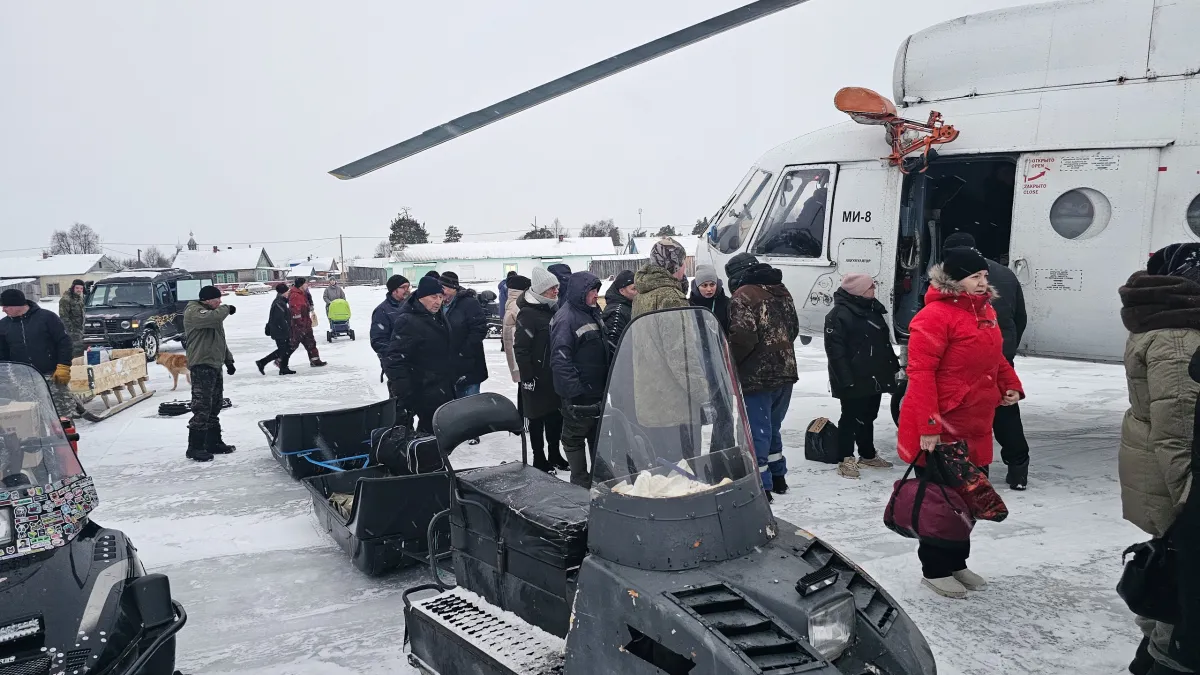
(1081,219)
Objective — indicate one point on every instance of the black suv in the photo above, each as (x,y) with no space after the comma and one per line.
(135,308)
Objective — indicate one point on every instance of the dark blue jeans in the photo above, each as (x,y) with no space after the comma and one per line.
(765,411)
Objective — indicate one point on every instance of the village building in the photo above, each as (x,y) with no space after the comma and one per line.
(53,274)
(477,261)
(230,265)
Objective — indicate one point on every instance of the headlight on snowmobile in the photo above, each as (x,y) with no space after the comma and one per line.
(6,527)
(831,627)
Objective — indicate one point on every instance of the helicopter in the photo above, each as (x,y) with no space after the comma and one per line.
(1062,136)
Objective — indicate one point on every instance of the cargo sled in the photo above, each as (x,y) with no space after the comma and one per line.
(311,444)
(672,562)
(74,597)
(123,377)
(383,515)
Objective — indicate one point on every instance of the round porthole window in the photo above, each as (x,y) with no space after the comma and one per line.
(1080,213)
(1193,216)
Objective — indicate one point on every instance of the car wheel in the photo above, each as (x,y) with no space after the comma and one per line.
(150,344)
(352,336)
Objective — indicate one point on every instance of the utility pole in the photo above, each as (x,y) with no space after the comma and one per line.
(639,220)
(342,264)
(139,256)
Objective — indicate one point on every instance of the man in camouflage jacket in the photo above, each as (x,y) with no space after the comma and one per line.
(762,329)
(70,310)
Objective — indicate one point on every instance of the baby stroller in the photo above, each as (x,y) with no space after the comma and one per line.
(338,313)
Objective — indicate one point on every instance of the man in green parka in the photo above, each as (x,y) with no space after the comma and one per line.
(207,352)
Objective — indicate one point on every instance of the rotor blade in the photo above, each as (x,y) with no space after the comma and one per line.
(568,83)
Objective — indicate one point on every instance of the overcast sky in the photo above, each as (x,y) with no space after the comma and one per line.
(148,120)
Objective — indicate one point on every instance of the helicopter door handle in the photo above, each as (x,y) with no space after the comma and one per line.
(1021,268)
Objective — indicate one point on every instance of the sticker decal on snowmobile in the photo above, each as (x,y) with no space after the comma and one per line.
(50,516)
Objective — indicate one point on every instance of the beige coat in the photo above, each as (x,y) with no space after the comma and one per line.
(509,331)
(1156,436)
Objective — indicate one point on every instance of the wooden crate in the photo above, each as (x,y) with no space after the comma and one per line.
(121,377)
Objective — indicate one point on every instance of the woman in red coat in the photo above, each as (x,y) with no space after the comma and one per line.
(957,376)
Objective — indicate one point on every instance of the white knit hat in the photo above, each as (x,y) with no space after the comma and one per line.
(543,280)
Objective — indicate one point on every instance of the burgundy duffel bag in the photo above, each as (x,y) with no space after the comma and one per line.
(923,510)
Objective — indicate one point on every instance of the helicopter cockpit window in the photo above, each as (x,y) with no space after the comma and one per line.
(741,213)
(795,224)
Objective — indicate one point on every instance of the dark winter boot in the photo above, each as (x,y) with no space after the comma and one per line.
(215,445)
(539,461)
(1018,476)
(779,485)
(196,449)
(316,363)
(1142,661)
(556,461)
(284,370)
(262,365)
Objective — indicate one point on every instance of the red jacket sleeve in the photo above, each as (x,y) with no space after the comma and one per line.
(1007,379)
(919,415)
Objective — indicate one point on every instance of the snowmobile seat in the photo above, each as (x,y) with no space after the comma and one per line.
(311,444)
(519,536)
(460,420)
(389,517)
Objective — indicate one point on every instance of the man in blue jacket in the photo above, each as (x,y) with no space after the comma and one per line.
(579,362)
(30,334)
(383,319)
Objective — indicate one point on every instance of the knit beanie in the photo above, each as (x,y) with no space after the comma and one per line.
(428,286)
(1176,260)
(395,281)
(434,274)
(450,280)
(706,274)
(857,284)
(739,263)
(299,281)
(668,254)
(517,282)
(624,278)
(962,262)
(12,297)
(542,281)
(209,293)
(959,240)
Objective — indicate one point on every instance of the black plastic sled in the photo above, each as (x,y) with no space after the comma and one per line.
(312,444)
(381,515)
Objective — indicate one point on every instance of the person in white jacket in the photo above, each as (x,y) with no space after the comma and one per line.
(517,285)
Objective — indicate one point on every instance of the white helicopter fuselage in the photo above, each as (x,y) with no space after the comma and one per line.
(1078,155)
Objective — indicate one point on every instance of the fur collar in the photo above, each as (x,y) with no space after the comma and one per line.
(939,279)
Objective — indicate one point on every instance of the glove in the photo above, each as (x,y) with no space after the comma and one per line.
(62,374)
(229,368)
(232,310)
(530,385)
(314,318)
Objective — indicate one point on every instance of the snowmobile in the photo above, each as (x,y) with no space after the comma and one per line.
(671,563)
(74,597)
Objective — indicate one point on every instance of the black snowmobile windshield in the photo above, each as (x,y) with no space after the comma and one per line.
(673,423)
(34,451)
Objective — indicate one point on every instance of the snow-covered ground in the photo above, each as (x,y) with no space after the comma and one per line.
(268,593)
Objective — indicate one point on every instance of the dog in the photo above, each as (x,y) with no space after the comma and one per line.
(175,364)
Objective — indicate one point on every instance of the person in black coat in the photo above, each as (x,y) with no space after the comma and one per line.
(709,293)
(862,367)
(419,363)
(1012,319)
(531,350)
(30,334)
(618,309)
(468,329)
(279,329)
(383,319)
(579,361)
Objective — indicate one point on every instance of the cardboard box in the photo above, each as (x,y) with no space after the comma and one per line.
(21,418)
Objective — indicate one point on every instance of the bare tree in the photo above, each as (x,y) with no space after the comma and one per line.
(153,257)
(602,228)
(557,229)
(383,249)
(80,238)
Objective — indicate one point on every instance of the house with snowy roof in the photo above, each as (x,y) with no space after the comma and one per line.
(230,265)
(475,261)
(318,268)
(52,274)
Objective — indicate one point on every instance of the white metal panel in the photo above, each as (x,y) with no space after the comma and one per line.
(1178,185)
(1070,284)
(1026,47)
(1173,48)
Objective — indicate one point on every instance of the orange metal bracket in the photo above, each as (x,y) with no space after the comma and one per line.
(868,107)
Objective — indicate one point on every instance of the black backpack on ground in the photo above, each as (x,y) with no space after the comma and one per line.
(821,442)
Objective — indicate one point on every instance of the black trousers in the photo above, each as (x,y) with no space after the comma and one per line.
(578,435)
(1010,434)
(942,561)
(283,351)
(208,388)
(544,434)
(857,426)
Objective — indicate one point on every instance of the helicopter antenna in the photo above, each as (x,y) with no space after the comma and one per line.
(563,85)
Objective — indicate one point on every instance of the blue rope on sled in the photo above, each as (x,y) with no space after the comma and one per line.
(332,463)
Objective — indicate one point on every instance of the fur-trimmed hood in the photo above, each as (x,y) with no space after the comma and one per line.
(940,280)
